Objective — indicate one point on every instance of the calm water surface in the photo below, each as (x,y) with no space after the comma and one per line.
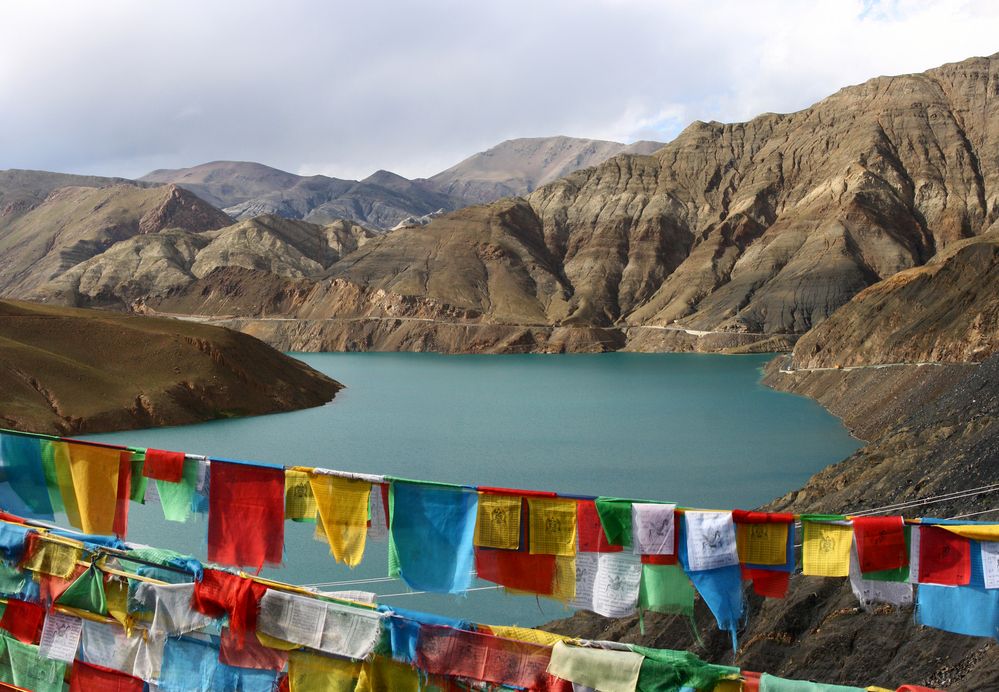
(699,430)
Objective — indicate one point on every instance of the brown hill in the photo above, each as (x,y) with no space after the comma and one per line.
(70,371)
(74,224)
(21,190)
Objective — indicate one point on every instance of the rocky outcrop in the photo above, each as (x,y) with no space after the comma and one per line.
(69,371)
(945,311)
(74,224)
(517,167)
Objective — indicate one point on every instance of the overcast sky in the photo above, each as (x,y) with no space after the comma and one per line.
(345,88)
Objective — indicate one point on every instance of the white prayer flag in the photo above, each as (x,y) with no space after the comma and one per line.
(652,528)
(871,591)
(710,540)
(329,627)
(60,636)
(990,563)
(107,645)
(607,583)
(171,607)
(914,554)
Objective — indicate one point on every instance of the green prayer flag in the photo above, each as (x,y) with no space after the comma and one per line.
(138,490)
(615,518)
(176,498)
(12,579)
(666,589)
(668,671)
(51,479)
(30,670)
(86,593)
(770,683)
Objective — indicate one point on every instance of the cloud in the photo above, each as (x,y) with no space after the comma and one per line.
(120,87)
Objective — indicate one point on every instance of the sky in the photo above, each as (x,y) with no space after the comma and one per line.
(118,87)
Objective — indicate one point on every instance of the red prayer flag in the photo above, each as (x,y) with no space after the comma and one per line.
(767,582)
(23,620)
(516,570)
(880,543)
(944,557)
(86,677)
(592,538)
(456,653)
(741,516)
(750,681)
(249,653)
(164,466)
(245,514)
(123,495)
(221,593)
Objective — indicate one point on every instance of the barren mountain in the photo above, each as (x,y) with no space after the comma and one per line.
(163,372)
(74,224)
(518,166)
(21,191)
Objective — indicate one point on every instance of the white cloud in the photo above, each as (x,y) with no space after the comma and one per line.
(119,87)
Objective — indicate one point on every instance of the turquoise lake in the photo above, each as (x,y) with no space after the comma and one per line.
(699,430)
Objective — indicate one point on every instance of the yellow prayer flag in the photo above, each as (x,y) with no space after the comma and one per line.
(826,549)
(552,526)
(564,585)
(275,643)
(762,544)
(728,686)
(343,511)
(524,634)
(64,479)
(976,532)
(299,502)
(95,482)
(382,674)
(56,559)
(313,673)
(116,594)
(498,521)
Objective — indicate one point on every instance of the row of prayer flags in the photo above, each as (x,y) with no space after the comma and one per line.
(219,630)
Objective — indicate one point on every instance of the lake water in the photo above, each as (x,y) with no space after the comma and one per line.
(699,430)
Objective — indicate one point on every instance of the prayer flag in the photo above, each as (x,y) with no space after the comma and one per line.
(944,557)
(192,664)
(524,634)
(516,570)
(721,588)
(977,532)
(330,627)
(443,651)
(552,526)
(710,540)
(86,593)
(770,683)
(308,672)
(432,531)
(95,482)
(600,669)
(86,677)
(50,557)
(498,521)
(404,629)
(108,645)
(32,671)
(177,498)
(381,674)
(871,592)
(990,564)
(664,670)
(13,540)
(220,593)
(826,549)
(666,589)
(246,515)
(762,537)
(250,653)
(769,583)
(299,502)
(343,512)
(123,494)
(880,543)
(564,586)
(615,517)
(171,608)
(23,620)
(23,486)
(652,528)
(608,583)
(164,466)
(60,636)
(590,533)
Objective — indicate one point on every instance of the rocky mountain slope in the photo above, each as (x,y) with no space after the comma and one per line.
(74,224)
(57,373)
(517,167)
(756,230)
(21,190)
(245,190)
